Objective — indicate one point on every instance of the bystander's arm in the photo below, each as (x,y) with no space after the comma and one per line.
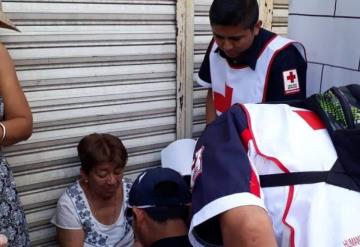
(17,125)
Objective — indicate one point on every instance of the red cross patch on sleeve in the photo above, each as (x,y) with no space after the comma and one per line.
(196,168)
(291,82)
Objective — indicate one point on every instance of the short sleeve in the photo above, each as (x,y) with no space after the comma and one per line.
(222,176)
(204,75)
(65,216)
(288,66)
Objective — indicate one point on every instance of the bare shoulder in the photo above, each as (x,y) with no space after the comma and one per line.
(7,69)
(3,50)
(4,57)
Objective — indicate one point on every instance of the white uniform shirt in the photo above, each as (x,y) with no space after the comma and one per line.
(254,140)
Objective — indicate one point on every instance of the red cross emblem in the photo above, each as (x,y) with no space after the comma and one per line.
(291,77)
(222,103)
(291,82)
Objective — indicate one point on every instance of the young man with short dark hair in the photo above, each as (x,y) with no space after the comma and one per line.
(245,63)
(159,205)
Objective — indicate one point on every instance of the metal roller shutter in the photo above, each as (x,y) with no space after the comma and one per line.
(89,66)
(280,17)
(202,37)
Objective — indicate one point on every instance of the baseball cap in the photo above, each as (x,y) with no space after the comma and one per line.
(178,156)
(159,187)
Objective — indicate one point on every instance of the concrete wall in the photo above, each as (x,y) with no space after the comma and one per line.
(330,32)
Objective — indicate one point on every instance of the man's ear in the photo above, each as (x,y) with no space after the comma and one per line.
(257,27)
(139,214)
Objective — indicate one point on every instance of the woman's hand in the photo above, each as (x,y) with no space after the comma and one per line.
(3,240)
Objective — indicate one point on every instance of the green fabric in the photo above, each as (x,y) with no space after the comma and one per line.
(332,107)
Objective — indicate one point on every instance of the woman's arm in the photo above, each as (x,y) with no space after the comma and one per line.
(70,238)
(18,118)
(69,230)
(247,226)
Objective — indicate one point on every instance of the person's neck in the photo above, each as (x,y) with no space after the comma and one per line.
(102,199)
(99,199)
(235,60)
(171,228)
(105,209)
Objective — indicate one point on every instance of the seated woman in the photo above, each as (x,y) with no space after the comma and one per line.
(91,211)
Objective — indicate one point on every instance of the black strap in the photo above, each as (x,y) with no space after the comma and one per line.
(293,178)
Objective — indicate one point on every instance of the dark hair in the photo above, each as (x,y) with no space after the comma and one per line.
(168,189)
(234,12)
(98,148)
(162,214)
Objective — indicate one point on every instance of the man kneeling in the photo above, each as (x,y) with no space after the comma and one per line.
(159,205)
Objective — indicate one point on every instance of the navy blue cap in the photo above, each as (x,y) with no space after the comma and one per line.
(159,187)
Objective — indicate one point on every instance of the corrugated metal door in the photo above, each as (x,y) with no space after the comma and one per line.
(280,17)
(89,66)
(202,37)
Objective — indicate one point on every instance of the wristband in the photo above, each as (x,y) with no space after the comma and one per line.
(4,132)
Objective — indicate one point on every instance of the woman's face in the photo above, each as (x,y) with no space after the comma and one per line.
(104,179)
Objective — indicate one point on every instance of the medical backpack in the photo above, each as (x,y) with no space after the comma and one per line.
(339,109)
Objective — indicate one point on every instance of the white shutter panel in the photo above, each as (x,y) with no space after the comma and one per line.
(89,66)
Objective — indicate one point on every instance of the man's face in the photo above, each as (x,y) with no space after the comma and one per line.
(234,40)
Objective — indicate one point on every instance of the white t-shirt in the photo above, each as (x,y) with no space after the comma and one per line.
(73,212)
